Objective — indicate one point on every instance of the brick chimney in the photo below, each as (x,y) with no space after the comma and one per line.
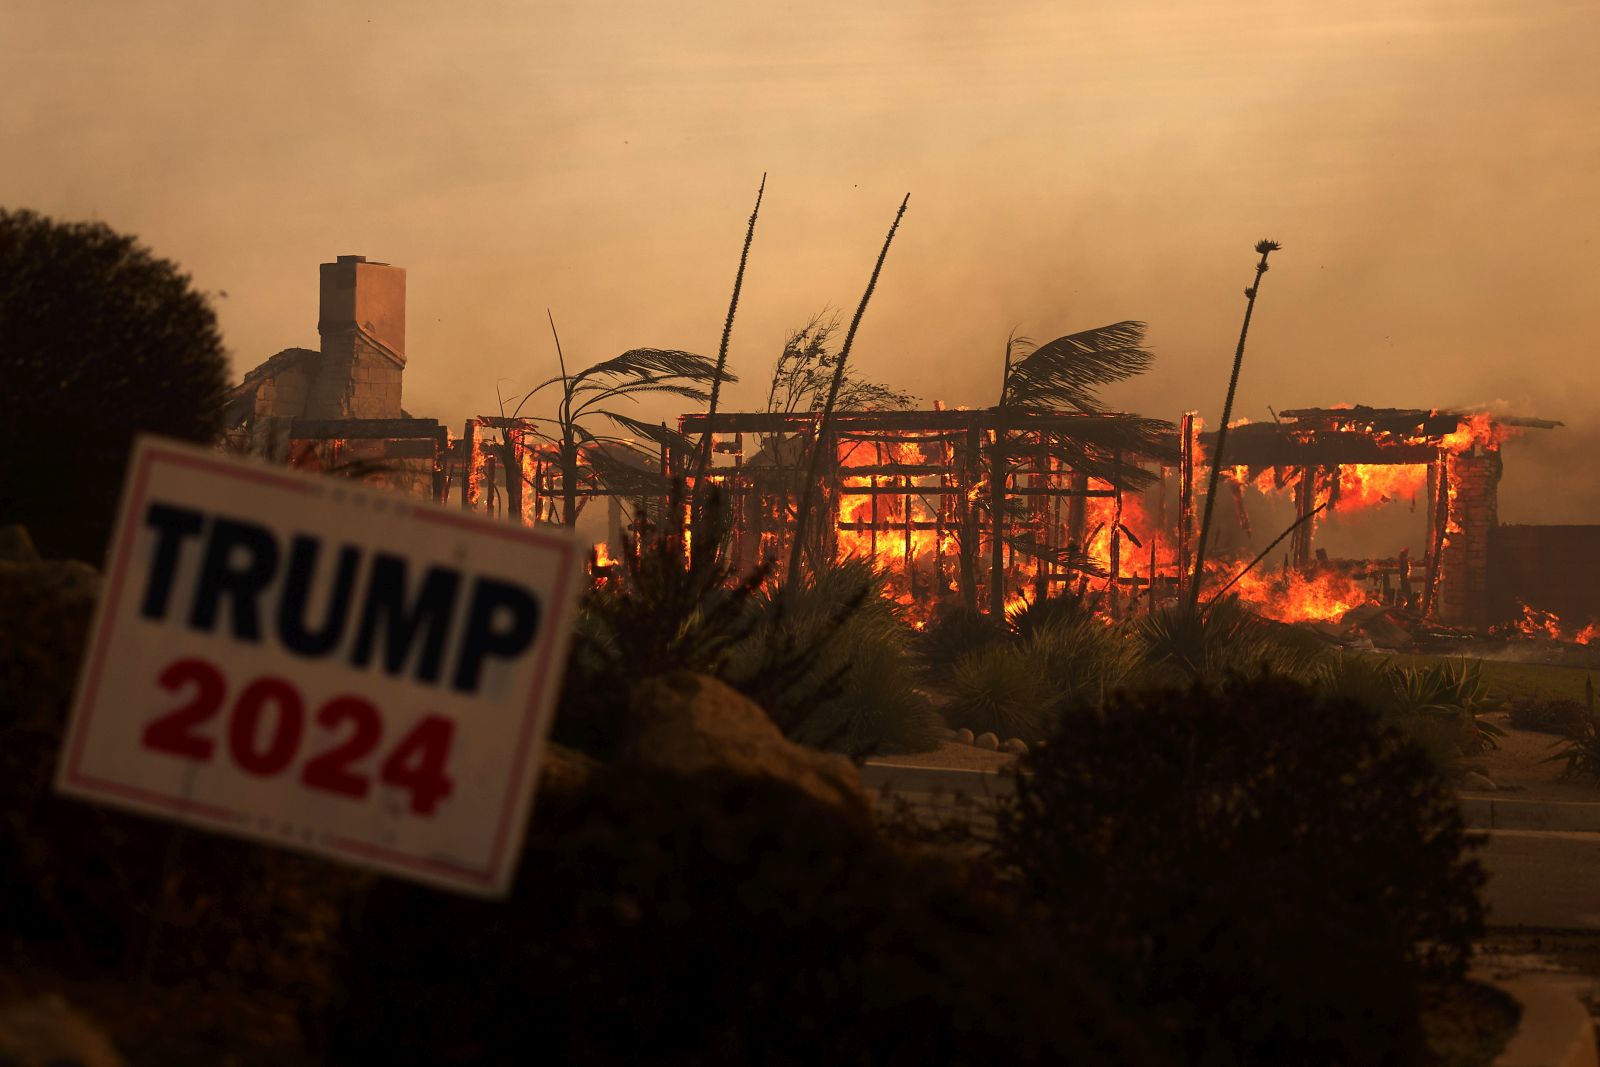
(362,320)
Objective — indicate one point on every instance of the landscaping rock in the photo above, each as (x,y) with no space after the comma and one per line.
(964,735)
(45,1032)
(1478,783)
(1015,744)
(565,770)
(16,546)
(988,741)
(689,722)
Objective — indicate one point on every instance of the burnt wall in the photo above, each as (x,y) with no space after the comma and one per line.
(1552,568)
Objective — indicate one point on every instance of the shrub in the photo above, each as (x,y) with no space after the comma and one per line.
(671,613)
(1561,716)
(1180,644)
(121,892)
(952,634)
(1036,615)
(857,692)
(1080,659)
(709,919)
(1271,877)
(1000,688)
(99,340)
(1582,751)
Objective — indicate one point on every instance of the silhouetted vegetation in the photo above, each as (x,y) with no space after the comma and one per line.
(717,920)
(99,341)
(1270,877)
(858,691)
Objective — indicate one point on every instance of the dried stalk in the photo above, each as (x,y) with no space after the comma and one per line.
(722,351)
(1265,248)
(803,506)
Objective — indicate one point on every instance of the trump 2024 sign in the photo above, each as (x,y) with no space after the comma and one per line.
(313,663)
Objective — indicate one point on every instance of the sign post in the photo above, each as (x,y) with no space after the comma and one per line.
(314,663)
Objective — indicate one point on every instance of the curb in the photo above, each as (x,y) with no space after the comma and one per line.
(1482,811)
(1485,812)
(877,775)
(1555,1030)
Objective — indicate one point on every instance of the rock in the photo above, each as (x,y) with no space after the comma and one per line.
(689,722)
(1015,744)
(565,770)
(964,735)
(989,741)
(1478,783)
(45,1031)
(16,546)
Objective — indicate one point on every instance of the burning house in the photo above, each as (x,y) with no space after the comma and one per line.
(1323,511)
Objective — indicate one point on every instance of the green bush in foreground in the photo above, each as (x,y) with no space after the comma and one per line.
(1270,877)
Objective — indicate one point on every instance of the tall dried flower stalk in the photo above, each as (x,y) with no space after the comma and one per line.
(824,422)
(722,351)
(1266,248)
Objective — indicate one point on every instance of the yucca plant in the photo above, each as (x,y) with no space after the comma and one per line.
(856,691)
(1081,660)
(1183,643)
(1036,615)
(1000,689)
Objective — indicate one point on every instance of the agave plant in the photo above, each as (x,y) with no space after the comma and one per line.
(1451,693)
(1581,751)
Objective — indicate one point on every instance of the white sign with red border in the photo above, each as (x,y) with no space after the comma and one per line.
(316,663)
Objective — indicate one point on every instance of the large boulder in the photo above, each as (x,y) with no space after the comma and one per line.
(688,722)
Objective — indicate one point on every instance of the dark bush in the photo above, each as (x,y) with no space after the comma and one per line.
(856,691)
(99,340)
(120,894)
(953,633)
(710,920)
(1270,877)
(1560,716)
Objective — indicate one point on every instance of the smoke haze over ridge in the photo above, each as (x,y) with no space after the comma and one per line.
(1428,167)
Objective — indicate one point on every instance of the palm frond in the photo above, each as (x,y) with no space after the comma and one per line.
(1069,371)
(659,363)
(661,435)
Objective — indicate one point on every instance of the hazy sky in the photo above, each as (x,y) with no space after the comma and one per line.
(1430,168)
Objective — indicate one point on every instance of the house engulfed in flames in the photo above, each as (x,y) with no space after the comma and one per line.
(1385,508)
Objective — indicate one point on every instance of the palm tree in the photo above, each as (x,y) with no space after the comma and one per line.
(590,394)
(1065,376)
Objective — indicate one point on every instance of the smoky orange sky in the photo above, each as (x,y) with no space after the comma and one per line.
(1430,168)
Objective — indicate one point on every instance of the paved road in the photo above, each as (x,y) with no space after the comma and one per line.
(1538,878)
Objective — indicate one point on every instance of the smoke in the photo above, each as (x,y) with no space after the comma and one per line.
(1426,164)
